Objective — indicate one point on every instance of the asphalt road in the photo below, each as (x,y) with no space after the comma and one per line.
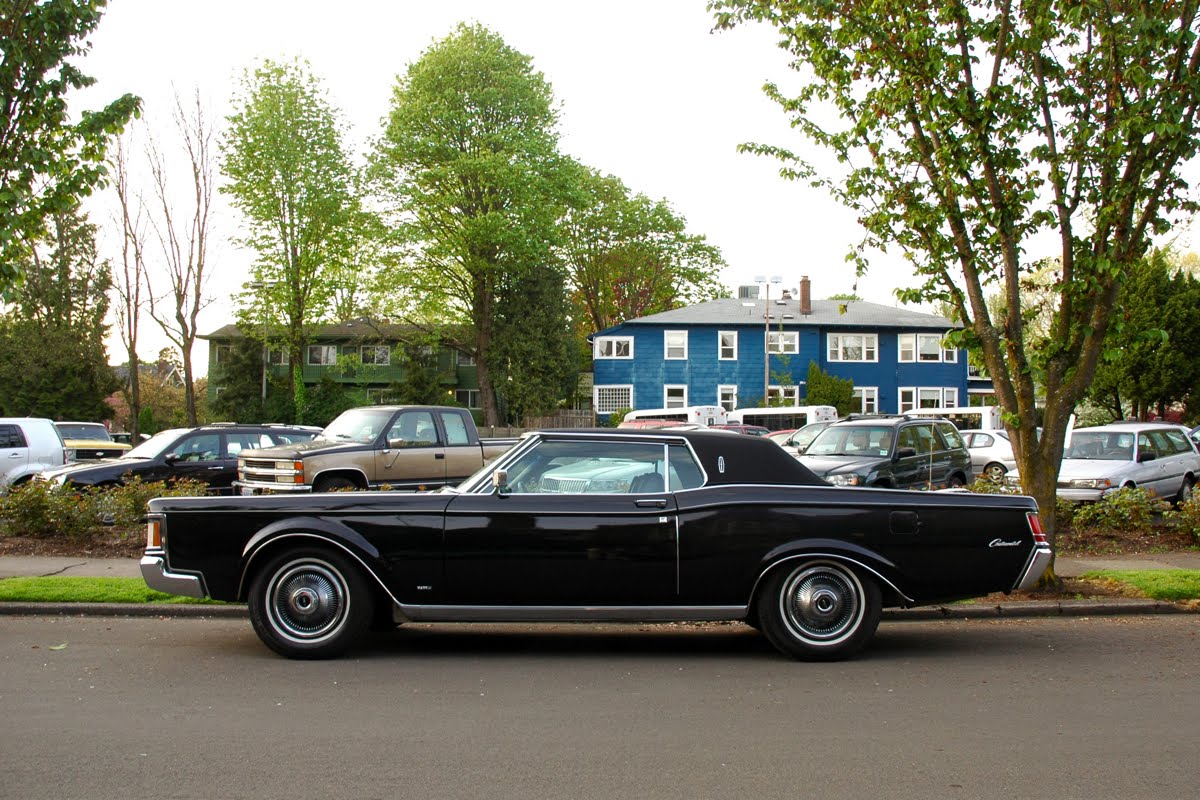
(197,708)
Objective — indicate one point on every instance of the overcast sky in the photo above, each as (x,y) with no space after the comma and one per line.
(647,93)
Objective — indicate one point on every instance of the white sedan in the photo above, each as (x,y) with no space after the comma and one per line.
(991,453)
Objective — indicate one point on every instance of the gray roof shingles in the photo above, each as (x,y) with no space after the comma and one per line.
(825,313)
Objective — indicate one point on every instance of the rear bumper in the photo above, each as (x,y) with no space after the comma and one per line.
(159,577)
(1037,567)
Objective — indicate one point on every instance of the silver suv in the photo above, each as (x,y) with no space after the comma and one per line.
(28,445)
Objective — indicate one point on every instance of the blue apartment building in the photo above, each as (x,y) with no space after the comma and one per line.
(734,351)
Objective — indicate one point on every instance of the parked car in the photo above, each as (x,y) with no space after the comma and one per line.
(1158,456)
(899,452)
(801,438)
(206,453)
(89,441)
(748,430)
(655,526)
(28,445)
(991,453)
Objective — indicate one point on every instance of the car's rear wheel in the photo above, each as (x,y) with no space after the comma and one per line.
(820,610)
(995,472)
(335,483)
(956,481)
(311,603)
(1186,491)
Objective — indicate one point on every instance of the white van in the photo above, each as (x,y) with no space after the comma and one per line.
(783,418)
(28,445)
(699,415)
(967,418)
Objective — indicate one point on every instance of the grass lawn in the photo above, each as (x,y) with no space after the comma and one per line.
(1159,584)
(85,590)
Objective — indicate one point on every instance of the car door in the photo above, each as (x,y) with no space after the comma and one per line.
(198,456)
(14,454)
(413,453)
(1150,469)
(579,524)
(926,469)
(463,457)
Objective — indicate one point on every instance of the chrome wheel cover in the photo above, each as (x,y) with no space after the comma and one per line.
(307,601)
(823,604)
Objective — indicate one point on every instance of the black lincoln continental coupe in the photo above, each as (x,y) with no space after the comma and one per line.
(590,525)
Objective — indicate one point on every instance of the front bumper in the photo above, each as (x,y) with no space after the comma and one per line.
(247,488)
(159,577)
(1037,567)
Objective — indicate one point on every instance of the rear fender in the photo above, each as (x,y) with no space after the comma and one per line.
(868,561)
(309,532)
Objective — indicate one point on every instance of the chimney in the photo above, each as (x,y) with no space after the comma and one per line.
(805,295)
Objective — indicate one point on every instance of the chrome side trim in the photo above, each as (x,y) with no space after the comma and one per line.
(1037,566)
(243,588)
(834,557)
(439,613)
(158,577)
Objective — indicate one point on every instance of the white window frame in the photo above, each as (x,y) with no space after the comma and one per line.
(836,347)
(325,349)
(783,342)
(376,349)
(949,397)
(680,347)
(277,356)
(728,403)
(612,346)
(949,355)
(912,398)
(733,354)
(468,397)
(612,390)
(868,399)
(679,402)
(789,394)
(222,353)
(463,359)
(378,395)
(909,349)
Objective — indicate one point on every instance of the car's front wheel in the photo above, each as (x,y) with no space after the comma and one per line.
(820,610)
(311,603)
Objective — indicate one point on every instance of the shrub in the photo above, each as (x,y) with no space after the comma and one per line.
(44,509)
(1127,508)
(1186,518)
(985,485)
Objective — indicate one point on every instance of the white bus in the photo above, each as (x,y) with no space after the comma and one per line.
(783,418)
(967,418)
(699,415)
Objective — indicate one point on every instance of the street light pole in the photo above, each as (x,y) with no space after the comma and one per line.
(765,282)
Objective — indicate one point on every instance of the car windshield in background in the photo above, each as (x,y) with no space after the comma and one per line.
(1101,446)
(362,425)
(156,444)
(852,440)
(79,431)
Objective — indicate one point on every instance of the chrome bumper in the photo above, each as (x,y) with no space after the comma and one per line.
(1037,567)
(158,577)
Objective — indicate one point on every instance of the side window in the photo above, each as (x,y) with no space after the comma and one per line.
(980,440)
(1179,442)
(11,437)
(456,428)
(685,473)
(413,429)
(908,438)
(950,436)
(202,447)
(237,442)
(1144,445)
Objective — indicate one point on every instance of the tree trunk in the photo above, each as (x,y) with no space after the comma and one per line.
(189,386)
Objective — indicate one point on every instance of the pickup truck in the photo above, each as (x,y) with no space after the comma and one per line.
(400,447)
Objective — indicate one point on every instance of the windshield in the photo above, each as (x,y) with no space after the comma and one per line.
(84,431)
(852,440)
(156,444)
(1101,446)
(362,425)
(804,437)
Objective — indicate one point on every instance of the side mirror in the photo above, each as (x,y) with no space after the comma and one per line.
(1145,456)
(905,452)
(171,458)
(500,481)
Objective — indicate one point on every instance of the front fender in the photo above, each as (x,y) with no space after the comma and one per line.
(309,531)
(881,567)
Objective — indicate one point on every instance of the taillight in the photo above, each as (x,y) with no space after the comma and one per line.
(1035,527)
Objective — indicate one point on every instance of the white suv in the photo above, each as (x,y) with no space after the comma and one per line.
(28,445)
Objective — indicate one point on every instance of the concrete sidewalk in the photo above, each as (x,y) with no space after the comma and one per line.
(42,566)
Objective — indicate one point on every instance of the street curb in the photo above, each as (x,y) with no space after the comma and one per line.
(1038,608)
(122,610)
(1014,610)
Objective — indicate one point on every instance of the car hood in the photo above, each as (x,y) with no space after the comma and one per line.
(836,465)
(313,447)
(105,468)
(1090,468)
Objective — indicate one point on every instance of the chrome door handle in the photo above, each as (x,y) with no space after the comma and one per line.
(657,502)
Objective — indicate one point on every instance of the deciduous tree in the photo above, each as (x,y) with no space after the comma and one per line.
(981,137)
(47,161)
(470,159)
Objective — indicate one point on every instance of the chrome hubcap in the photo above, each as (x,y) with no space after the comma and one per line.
(822,603)
(307,600)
